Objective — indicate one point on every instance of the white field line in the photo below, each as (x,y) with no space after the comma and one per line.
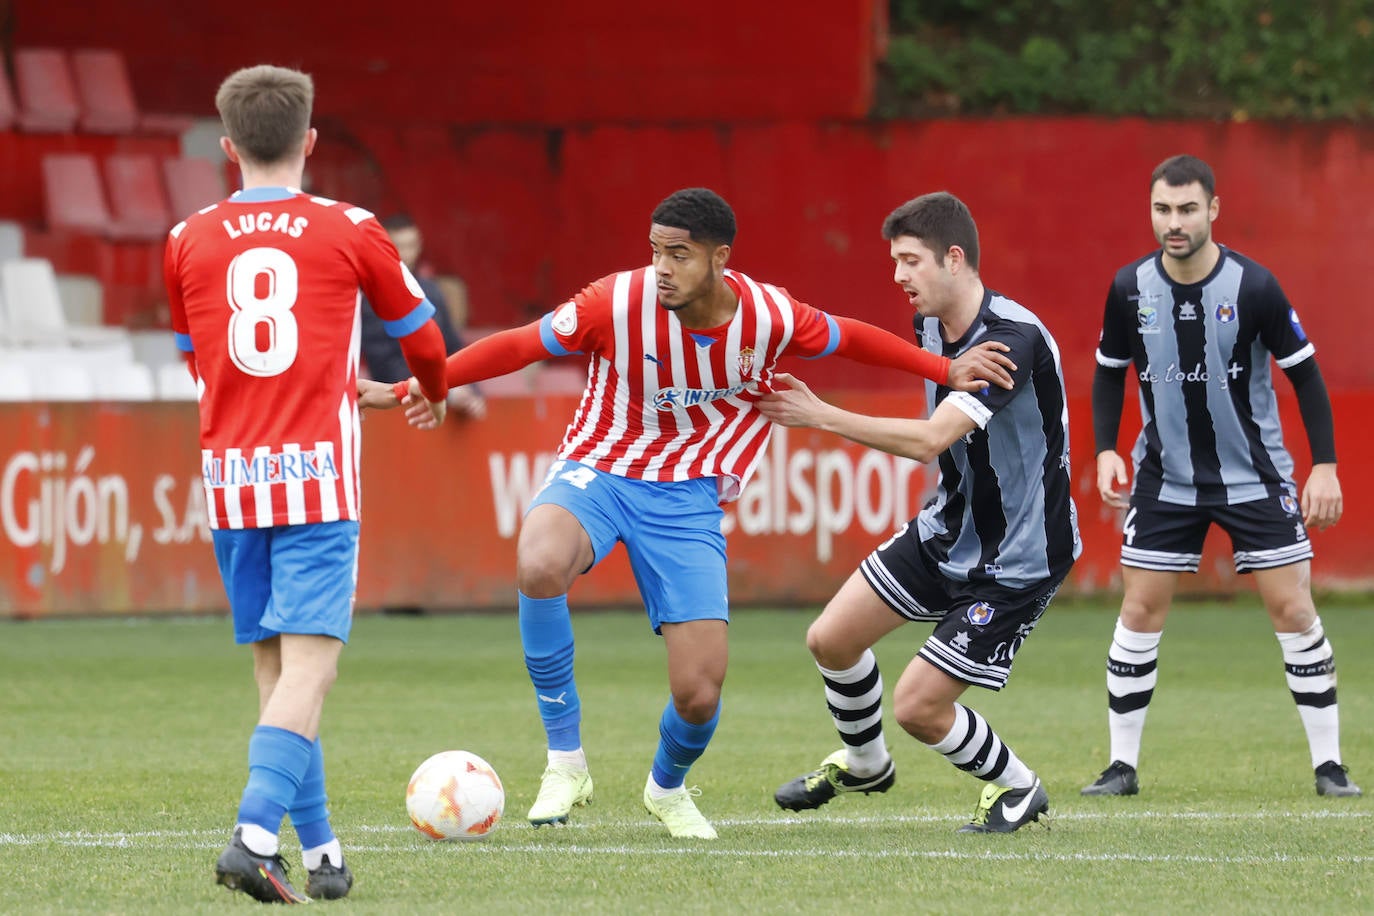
(213,839)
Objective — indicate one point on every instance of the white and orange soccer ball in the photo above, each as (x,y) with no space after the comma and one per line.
(455,795)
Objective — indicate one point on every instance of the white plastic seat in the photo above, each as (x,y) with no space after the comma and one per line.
(14,382)
(33,308)
(11,240)
(125,382)
(62,382)
(156,348)
(83,299)
(174,383)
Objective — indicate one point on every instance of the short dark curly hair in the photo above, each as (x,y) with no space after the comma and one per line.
(701,211)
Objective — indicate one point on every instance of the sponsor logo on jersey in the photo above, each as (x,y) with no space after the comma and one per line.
(1187,312)
(1226,311)
(1147,317)
(277,467)
(565,319)
(746,361)
(960,642)
(980,614)
(679,398)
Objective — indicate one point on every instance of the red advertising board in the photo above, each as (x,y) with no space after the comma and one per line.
(101,510)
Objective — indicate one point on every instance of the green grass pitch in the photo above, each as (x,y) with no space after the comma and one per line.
(123,751)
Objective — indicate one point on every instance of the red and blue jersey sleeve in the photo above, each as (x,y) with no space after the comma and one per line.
(399,301)
(580,324)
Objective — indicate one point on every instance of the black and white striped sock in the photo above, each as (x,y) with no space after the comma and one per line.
(1310,666)
(855,698)
(974,747)
(1132,669)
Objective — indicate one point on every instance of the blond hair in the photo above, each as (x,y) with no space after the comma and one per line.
(266,111)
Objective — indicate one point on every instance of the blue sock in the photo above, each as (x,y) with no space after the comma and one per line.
(680,743)
(277,761)
(546,632)
(310,812)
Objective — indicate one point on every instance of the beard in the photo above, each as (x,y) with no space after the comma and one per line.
(1194,245)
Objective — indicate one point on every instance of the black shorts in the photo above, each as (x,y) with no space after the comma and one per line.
(1265,533)
(979,626)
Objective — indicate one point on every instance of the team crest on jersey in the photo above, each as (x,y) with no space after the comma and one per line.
(565,319)
(1289,504)
(1297,325)
(746,362)
(1147,316)
(1187,312)
(980,614)
(1226,311)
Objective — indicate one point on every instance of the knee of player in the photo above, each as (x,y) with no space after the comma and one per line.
(540,574)
(919,716)
(698,703)
(830,648)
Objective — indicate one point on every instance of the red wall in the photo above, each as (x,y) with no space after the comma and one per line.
(517,61)
(529,216)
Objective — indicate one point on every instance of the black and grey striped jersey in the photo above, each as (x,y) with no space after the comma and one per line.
(1002,510)
(1211,433)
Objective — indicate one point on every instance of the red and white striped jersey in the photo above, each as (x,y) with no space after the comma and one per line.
(264,293)
(664,402)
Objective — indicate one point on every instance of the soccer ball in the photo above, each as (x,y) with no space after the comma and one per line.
(455,795)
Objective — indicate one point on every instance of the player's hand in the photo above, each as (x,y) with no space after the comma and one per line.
(1321,498)
(437,411)
(983,365)
(420,413)
(374,395)
(1111,473)
(467,402)
(793,404)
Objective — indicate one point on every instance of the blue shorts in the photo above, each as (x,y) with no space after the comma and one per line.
(292,579)
(670,529)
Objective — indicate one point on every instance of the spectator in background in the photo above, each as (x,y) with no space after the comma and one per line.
(385,362)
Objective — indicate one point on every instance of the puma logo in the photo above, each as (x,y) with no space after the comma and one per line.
(558,699)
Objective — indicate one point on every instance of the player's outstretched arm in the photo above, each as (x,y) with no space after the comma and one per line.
(373,395)
(794,404)
(982,366)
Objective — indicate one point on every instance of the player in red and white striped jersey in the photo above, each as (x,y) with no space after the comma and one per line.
(668,428)
(264,292)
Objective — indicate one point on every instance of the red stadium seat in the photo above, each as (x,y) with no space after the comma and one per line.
(192,184)
(137,201)
(72,194)
(46,95)
(8,110)
(103,88)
